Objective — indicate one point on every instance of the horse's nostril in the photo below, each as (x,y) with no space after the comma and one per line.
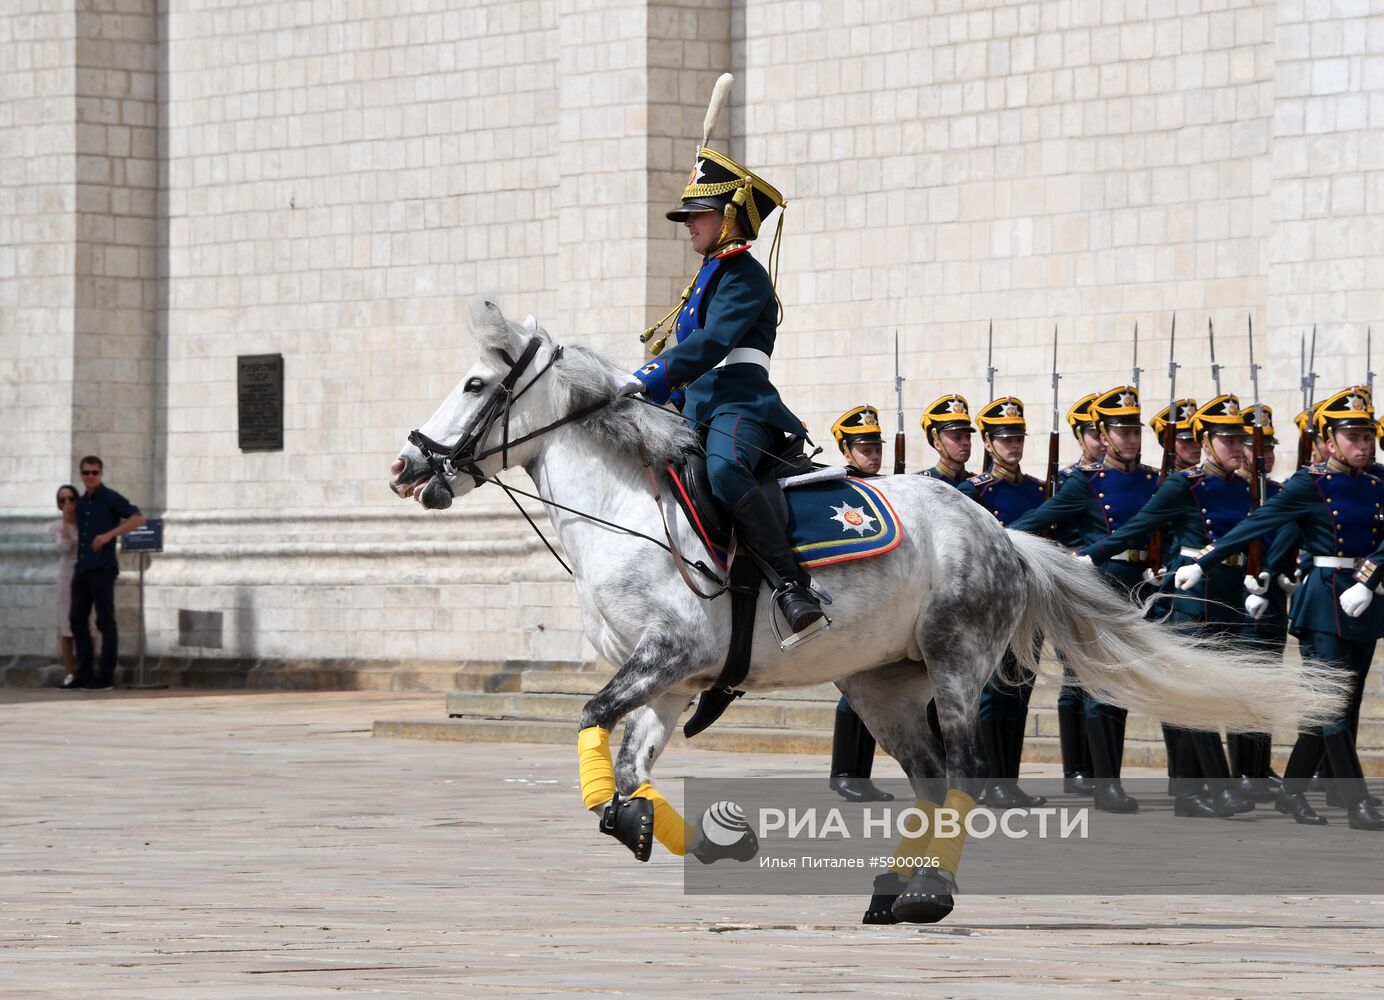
(398,466)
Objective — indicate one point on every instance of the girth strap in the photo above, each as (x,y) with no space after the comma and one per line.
(743,586)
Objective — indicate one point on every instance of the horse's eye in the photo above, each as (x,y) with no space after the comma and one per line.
(475,384)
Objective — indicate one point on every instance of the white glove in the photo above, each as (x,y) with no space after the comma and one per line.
(1256,606)
(1188,576)
(1086,561)
(1257,586)
(1286,583)
(627,385)
(1152,578)
(1355,600)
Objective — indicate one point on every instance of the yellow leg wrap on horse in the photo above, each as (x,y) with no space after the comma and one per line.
(670,829)
(915,844)
(947,844)
(595,767)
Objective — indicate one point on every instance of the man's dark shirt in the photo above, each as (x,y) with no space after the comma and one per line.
(98,513)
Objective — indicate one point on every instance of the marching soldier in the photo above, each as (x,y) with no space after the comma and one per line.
(1197,506)
(1336,506)
(1096,501)
(1071,727)
(1008,494)
(1186,447)
(724,335)
(947,426)
(857,433)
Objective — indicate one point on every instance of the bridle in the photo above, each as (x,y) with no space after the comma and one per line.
(462,457)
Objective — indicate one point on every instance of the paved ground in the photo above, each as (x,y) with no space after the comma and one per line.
(161,845)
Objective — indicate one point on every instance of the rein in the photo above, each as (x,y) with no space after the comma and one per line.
(463,456)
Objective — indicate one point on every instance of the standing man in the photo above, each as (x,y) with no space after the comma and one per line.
(858,435)
(1336,507)
(1095,502)
(1008,494)
(103,515)
(947,425)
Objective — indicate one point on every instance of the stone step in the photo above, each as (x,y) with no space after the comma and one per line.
(782,713)
(749,739)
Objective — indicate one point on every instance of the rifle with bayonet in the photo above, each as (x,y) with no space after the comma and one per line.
(1165,467)
(1215,368)
(1258,478)
(899,440)
(1050,482)
(1308,437)
(989,460)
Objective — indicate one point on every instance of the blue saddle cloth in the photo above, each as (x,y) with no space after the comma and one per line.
(840,520)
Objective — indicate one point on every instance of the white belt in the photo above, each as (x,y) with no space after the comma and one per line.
(1337,562)
(1236,560)
(746,356)
(1131,555)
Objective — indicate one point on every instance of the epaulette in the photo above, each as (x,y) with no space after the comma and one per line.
(1318,469)
(1195,472)
(1141,467)
(981,479)
(1090,467)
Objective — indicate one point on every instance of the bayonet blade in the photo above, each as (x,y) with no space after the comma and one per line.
(1215,368)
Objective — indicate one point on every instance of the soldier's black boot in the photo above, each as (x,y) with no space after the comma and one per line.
(996,794)
(1211,759)
(758,527)
(1249,763)
(1076,756)
(852,757)
(1295,804)
(1185,784)
(1012,736)
(1170,749)
(1361,813)
(1110,796)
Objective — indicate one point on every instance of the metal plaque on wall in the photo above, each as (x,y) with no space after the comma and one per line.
(260,391)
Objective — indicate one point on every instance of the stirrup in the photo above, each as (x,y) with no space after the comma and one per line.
(794,639)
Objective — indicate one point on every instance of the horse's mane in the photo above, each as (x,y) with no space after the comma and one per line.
(589,377)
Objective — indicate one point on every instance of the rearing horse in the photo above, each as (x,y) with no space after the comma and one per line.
(930,619)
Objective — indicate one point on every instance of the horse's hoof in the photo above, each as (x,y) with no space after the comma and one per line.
(887,889)
(927,898)
(631,821)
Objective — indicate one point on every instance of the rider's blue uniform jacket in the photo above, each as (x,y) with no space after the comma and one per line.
(1093,503)
(1194,508)
(732,305)
(1337,513)
(1008,499)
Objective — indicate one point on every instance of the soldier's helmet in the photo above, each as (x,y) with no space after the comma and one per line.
(1353,407)
(947,413)
(1080,418)
(1186,409)
(1003,417)
(1117,406)
(1379,430)
(1221,415)
(859,425)
(719,184)
(1269,436)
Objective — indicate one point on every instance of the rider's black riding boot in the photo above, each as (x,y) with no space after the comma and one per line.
(852,758)
(1106,746)
(758,527)
(1076,756)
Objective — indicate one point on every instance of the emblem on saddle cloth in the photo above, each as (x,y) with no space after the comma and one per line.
(839,521)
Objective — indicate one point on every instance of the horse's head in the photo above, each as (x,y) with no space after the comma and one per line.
(469,434)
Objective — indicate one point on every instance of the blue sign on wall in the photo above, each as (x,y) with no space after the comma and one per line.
(148,537)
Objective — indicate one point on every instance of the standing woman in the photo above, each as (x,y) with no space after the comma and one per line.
(64,532)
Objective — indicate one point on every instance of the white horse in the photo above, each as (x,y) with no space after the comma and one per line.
(933,617)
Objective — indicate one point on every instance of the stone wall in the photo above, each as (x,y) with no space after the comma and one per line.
(181,184)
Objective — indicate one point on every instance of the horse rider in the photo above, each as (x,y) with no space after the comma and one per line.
(1335,505)
(1096,501)
(1071,728)
(1007,493)
(1193,507)
(947,426)
(858,435)
(724,336)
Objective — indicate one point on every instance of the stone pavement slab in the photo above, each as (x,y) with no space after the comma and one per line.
(262,845)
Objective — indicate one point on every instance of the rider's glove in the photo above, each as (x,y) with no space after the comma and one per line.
(654,378)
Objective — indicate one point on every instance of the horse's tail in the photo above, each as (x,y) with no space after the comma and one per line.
(1121,657)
